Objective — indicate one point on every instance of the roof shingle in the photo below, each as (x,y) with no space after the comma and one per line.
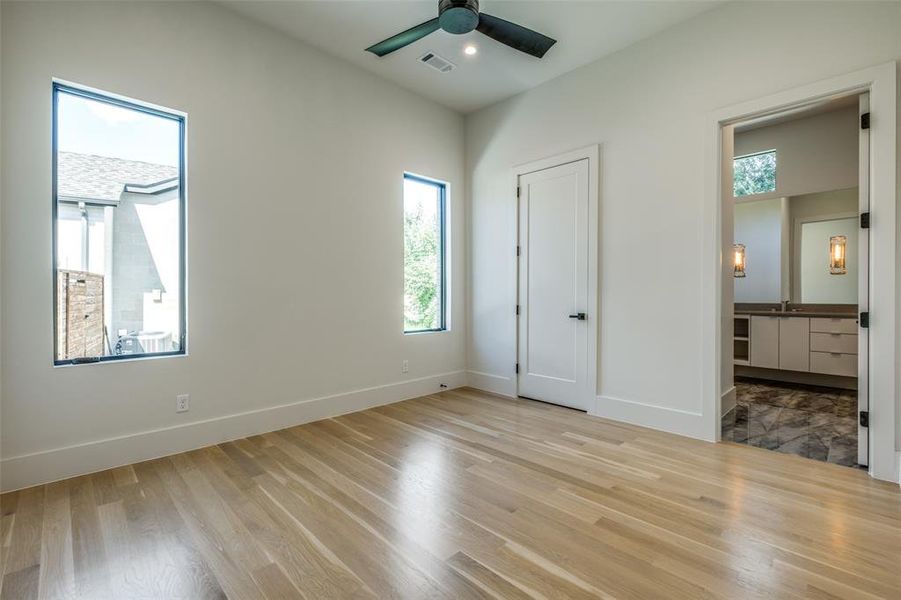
(102,178)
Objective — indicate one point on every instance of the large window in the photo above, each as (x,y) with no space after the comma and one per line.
(118,228)
(425,278)
(754,173)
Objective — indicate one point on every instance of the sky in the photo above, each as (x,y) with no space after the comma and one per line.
(419,196)
(91,127)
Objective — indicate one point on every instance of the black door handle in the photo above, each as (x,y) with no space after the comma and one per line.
(579,316)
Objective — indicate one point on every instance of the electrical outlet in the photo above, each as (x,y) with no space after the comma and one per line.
(405,367)
(182,403)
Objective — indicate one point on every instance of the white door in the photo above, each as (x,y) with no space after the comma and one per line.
(554,315)
(863,288)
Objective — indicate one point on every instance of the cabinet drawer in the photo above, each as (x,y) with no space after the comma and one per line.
(833,363)
(826,325)
(844,343)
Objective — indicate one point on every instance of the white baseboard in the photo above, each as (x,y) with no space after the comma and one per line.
(821,379)
(27,470)
(727,401)
(488,382)
(898,468)
(671,420)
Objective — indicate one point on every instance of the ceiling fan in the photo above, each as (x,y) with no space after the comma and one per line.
(462,16)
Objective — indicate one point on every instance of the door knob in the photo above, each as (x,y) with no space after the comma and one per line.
(579,316)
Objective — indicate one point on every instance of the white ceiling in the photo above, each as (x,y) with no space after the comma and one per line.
(585,31)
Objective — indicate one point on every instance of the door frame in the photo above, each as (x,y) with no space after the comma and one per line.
(880,82)
(592,154)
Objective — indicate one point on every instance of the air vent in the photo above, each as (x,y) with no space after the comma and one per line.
(437,63)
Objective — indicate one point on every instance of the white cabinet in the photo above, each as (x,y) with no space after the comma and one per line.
(841,343)
(794,343)
(780,343)
(765,342)
(821,345)
(834,363)
(833,346)
(837,325)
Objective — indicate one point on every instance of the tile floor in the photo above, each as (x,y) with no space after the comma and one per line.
(813,422)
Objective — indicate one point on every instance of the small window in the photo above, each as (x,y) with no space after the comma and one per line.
(118,228)
(754,173)
(425,280)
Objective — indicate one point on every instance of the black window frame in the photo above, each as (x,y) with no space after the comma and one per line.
(108,98)
(442,251)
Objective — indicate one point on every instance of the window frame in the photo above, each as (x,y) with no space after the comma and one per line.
(775,153)
(59,87)
(442,251)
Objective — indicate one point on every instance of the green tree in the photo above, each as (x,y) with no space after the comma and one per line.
(422,277)
(754,174)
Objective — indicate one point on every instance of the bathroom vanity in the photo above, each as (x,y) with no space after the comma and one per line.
(815,340)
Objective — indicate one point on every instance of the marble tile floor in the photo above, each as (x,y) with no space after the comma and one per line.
(813,422)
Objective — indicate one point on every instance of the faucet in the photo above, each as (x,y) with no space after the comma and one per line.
(783,306)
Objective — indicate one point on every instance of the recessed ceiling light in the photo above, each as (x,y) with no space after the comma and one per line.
(470,50)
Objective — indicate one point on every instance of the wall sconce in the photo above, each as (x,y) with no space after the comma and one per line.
(738,253)
(838,246)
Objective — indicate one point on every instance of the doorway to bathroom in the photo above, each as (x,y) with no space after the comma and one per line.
(878,372)
(799,273)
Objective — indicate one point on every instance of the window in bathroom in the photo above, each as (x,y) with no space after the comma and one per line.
(754,173)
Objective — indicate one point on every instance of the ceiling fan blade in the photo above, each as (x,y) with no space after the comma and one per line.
(405,38)
(515,36)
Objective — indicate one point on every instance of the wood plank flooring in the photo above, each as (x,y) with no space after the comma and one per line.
(458,495)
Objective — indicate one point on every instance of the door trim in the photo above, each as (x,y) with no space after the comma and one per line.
(880,82)
(592,154)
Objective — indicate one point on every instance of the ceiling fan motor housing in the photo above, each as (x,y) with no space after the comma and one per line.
(458,16)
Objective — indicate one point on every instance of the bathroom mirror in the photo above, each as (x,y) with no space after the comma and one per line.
(823,244)
(801,249)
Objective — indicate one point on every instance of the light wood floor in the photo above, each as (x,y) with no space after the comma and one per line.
(458,495)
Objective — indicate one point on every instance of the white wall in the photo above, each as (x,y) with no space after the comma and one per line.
(814,154)
(648,106)
(295,275)
(758,225)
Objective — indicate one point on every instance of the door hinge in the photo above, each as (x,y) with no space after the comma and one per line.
(865,320)
(865,120)
(864,418)
(518,251)
(517,367)
(865,220)
(517,309)
(517,191)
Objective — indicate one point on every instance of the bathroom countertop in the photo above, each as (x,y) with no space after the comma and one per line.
(798,313)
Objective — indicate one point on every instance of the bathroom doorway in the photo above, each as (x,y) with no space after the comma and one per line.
(799,274)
